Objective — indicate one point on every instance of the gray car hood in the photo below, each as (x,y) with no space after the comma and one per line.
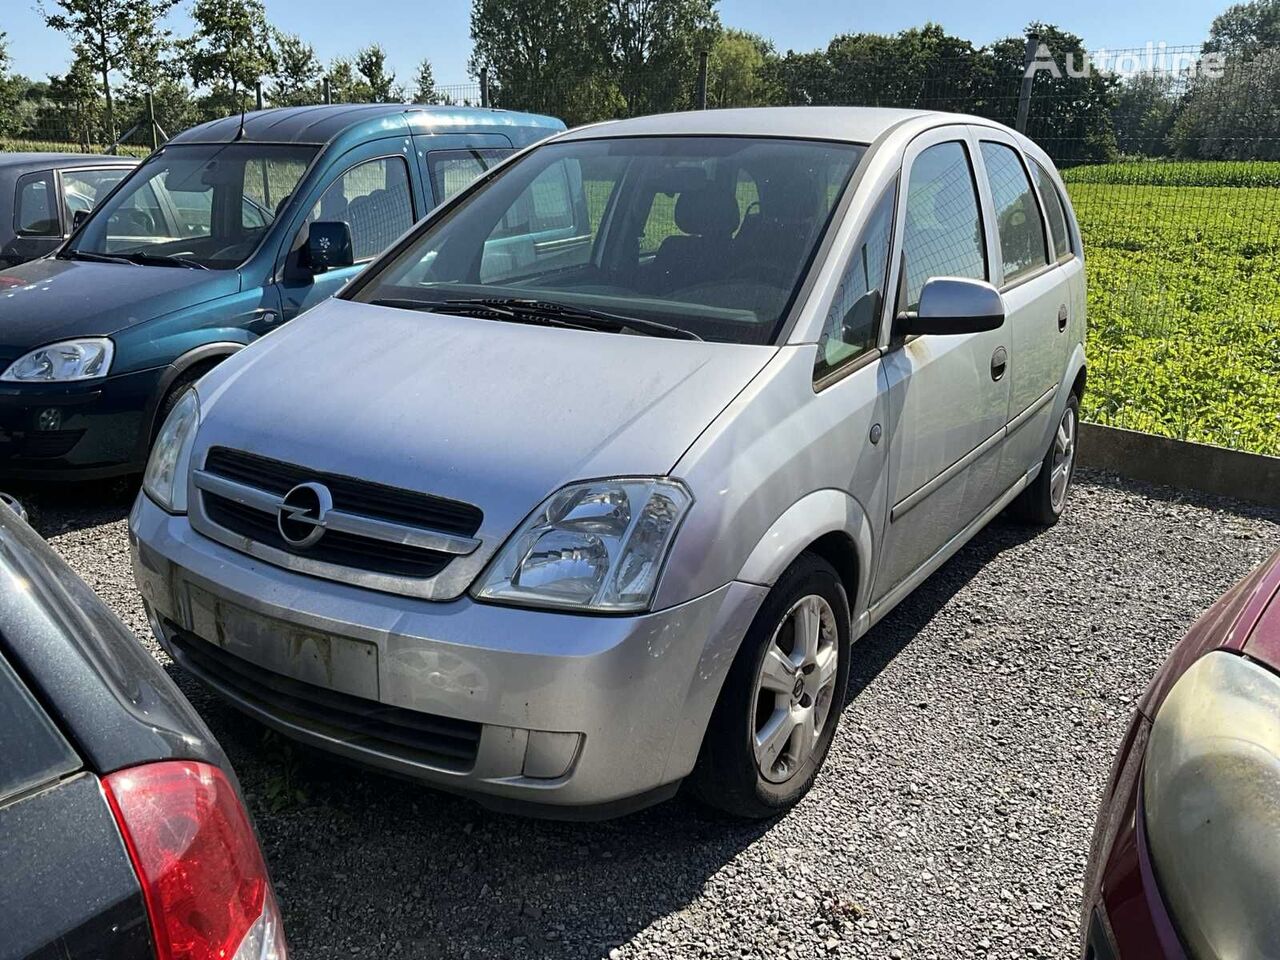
(491,413)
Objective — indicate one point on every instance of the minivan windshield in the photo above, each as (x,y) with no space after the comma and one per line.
(705,237)
(197,205)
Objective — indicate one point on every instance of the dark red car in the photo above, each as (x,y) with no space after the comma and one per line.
(1186,850)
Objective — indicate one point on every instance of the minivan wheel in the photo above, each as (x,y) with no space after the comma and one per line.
(776,716)
(1042,503)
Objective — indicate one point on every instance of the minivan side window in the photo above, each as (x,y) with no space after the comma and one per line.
(35,213)
(942,233)
(1056,212)
(373,198)
(451,171)
(853,322)
(1021,227)
(82,189)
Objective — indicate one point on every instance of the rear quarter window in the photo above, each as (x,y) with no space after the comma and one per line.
(32,751)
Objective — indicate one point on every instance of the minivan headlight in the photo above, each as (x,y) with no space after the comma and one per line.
(85,359)
(165,480)
(1211,793)
(596,546)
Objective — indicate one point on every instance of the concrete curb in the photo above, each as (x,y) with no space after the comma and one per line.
(1182,464)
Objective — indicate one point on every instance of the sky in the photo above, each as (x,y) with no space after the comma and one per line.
(439,29)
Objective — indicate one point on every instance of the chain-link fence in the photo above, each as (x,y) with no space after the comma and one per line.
(1171,158)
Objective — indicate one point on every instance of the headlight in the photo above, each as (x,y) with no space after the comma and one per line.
(86,359)
(1211,788)
(595,546)
(165,480)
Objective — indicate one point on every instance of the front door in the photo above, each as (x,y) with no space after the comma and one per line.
(372,190)
(948,395)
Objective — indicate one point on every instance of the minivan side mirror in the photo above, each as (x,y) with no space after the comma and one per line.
(328,246)
(953,305)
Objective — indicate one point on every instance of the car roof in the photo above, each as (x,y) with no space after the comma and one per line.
(852,124)
(320,125)
(45,161)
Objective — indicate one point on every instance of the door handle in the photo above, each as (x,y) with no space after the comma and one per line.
(1062,318)
(999,363)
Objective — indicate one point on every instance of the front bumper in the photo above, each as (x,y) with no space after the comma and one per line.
(1124,912)
(87,429)
(563,714)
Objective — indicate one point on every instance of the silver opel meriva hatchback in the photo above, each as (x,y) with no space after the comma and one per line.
(589,484)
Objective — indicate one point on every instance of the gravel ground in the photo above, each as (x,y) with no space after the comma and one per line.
(952,819)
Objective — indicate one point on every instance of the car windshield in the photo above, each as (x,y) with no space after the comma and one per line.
(707,237)
(204,205)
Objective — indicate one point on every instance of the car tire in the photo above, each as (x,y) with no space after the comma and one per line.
(749,724)
(180,386)
(1043,503)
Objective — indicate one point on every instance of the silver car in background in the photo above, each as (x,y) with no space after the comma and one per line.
(589,484)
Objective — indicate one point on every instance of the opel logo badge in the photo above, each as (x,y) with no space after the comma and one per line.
(303,511)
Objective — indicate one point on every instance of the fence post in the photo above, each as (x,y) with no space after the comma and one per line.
(1028,75)
(151,122)
(257,89)
(484,86)
(328,91)
(700,90)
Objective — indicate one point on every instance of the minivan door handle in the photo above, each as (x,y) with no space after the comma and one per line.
(1062,318)
(999,363)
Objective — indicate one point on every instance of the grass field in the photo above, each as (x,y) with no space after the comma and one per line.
(8,145)
(1184,298)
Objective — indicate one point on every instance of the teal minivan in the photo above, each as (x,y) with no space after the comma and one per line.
(224,233)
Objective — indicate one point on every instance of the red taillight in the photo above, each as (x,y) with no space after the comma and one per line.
(202,874)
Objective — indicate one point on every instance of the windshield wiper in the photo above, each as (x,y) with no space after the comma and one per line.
(563,314)
(163,260)
(90,255)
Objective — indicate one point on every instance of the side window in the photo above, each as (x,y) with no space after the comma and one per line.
(1021,227)
(35,213)
(1055,210)
(374,200)
(82,189)
(453,170)
(942,232)
(853,320)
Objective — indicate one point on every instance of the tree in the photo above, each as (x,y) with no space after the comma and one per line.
(736,74)
(108,35)
(230,51)
(343,85)
(544,55)
(424,89)
(1232,116)
(1146,107)
(1245,29)
(296,74)
(651,49)
(10,91)
(377,85)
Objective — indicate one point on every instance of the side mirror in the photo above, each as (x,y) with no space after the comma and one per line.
(328,246)
(77,218)
(953,305)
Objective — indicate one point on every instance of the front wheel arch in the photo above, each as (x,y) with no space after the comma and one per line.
(190,366)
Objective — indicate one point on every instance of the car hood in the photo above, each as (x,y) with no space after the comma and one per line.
(47,300)
(492,413)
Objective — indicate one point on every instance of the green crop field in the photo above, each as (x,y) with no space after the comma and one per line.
(8,145)
(1183,264)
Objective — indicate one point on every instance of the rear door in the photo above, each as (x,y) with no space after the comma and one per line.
(1036,296)
(449,162)
(948,395)
(67,889)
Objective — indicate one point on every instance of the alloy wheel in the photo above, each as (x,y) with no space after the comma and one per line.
(795,688)
(1064,455)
